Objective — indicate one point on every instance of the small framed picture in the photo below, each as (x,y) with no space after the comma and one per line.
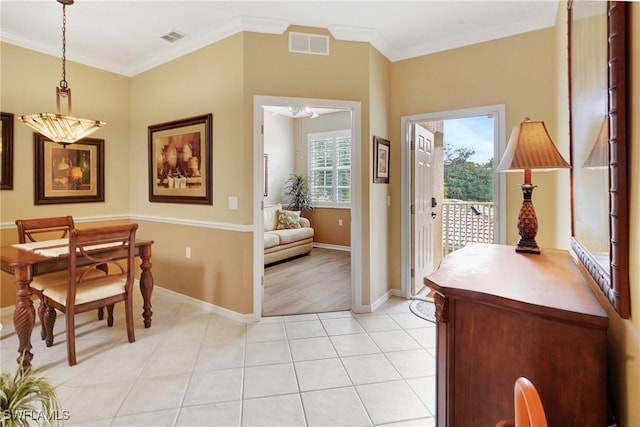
(381,155)
(180,161)
(71,174)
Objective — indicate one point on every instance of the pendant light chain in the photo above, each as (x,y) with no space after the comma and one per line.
(63,129)
(63,82)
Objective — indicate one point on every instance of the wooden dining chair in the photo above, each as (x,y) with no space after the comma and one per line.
(39,229)
(88,285)
(529,411)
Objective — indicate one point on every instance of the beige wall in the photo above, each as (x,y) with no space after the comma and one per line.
(516,71)
(219,271)
(325,222)
(270,70)
(381,230)
(279,145)
(28,82)
(206,81)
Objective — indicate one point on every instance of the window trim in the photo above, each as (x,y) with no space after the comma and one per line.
(334,134)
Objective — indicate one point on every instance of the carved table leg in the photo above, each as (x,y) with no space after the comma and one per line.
(146,283)
(24,316)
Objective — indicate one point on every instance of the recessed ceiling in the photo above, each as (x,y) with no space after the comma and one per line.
(125,36)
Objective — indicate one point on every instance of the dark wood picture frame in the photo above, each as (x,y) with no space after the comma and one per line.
(180,161)
(612,279)
(381,160)
(68,174)
(6,151)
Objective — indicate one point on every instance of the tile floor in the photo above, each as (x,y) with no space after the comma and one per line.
(195,368)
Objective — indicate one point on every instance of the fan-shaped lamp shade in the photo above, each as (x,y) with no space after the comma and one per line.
(530,147)
(60,128)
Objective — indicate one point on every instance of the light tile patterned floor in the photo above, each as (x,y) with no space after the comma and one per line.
(195,368)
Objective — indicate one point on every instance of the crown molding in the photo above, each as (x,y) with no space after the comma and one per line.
(358,34)
(189,45)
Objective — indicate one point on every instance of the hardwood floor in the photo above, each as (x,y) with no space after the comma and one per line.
(314,283)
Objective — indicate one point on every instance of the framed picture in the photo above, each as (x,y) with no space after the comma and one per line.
(381,154)
(6,151)
(180,161)
(71,174)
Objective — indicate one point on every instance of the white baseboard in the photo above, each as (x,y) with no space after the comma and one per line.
(397,293)
(221,311)
(380,301)
(329,246)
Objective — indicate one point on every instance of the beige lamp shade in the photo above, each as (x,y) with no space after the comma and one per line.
(60,128)
(531,147)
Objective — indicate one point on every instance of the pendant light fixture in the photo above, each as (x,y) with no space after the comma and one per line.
(60,128)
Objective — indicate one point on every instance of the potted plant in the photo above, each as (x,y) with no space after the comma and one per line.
(26,399)
(298,194)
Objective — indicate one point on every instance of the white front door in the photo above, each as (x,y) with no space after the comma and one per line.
(423,207)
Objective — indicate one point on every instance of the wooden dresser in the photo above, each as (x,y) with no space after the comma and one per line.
(502,315)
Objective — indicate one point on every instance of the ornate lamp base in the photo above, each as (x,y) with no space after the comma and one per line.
(527,223)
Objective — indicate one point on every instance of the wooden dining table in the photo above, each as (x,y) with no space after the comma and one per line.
(24,265)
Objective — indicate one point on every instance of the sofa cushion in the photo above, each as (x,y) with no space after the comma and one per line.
(270,217)
(293,235)
(288,219)
(304,222)
(271,240)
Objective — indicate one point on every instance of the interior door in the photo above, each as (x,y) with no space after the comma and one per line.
(423,207)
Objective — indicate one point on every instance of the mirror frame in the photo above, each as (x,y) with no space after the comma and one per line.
(614,283)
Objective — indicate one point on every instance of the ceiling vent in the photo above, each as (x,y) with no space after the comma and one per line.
(312,44)
(173,36)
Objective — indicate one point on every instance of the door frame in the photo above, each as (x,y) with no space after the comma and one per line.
(260,101)
(499,188)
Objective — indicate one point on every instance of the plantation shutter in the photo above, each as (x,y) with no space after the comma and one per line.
(330,167)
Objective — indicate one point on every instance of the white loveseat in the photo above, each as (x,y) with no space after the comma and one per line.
(283,237)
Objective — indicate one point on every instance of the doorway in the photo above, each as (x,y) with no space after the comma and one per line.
(283,103)
(421,254)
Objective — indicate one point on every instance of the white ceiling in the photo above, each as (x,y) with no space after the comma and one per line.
(124,36)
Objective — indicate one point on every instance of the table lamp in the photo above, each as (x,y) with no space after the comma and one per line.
(529,147)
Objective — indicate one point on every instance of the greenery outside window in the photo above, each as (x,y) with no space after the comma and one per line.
(330,167)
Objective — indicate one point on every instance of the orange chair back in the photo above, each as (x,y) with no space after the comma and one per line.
(528,406)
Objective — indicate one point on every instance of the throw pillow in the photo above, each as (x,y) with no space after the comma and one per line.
(288,219)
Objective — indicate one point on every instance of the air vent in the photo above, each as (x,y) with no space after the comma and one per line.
(173,36)
(312,44)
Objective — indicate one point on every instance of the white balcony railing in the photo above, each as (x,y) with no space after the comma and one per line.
(465,222)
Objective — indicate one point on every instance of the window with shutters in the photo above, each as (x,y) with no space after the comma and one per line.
(330,168)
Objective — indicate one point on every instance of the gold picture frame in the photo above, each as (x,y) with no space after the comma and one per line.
(71,174)
(180,161)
